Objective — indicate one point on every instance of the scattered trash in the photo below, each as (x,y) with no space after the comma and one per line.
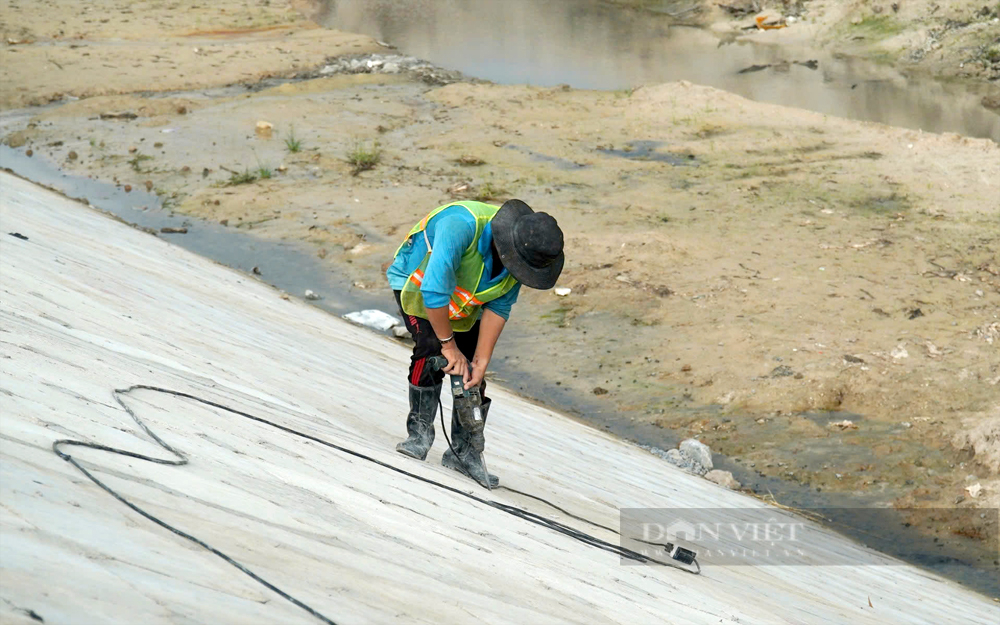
(974,490)
(311,295)
(846,424)
(722,478)
(18,235)
(375,319)
(772,25)
(170,230)
(906,424)
(562,291)
(264,130)
(899,352)
(391,64)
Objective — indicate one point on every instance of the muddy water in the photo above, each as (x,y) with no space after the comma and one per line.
(590,45)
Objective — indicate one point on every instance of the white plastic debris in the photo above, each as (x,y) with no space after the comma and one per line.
(400,332)
(974,490)
(846,424)
(375,319)
(311,294)
(563,291)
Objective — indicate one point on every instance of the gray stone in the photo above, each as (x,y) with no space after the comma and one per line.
(698,452)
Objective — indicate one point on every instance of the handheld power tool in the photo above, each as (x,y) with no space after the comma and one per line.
(468,408)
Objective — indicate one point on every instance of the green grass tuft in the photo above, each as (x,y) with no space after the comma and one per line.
(363,157)
(292,143)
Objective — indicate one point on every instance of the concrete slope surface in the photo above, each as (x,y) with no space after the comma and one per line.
(89,305)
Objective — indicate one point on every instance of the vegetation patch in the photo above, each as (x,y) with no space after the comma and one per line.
(364,157)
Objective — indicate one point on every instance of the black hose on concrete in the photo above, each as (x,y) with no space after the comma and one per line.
(181,459)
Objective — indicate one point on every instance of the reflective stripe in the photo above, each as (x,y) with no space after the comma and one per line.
(417,277)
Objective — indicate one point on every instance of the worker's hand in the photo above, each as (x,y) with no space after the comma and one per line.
(457,363)
(478,372)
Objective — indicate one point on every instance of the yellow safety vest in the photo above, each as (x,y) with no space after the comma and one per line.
(466,303)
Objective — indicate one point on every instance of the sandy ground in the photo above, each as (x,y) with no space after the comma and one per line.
(738,270)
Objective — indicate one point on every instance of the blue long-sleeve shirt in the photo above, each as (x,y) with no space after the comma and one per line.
(450,232)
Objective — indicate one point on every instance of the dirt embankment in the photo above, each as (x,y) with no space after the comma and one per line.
(738,270)
(942,39)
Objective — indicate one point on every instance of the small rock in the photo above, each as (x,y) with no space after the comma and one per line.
(991,102)
(906,424)
(282,168)
(722,478)
(158,144)
(129,115)
(562,291)
(149,185)
(781,371)
(600,391)
(697,452)
(853,359)
(224,222)
(185,170)
(322,252)
(685,368)
(974,490)
(311,295)
(284,296)
(900,352)
(170,230)
(264,130)
(255,271)
(72,156)
(182,110)
(128,188)
(132,150)
(29,152)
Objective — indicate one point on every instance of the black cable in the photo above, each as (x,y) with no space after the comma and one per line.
(181,460)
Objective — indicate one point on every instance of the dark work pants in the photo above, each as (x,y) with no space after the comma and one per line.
(426,345)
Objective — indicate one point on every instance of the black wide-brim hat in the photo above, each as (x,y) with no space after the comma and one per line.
(530,244)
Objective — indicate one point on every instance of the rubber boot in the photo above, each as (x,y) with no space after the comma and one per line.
(467,461)
(420,421)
